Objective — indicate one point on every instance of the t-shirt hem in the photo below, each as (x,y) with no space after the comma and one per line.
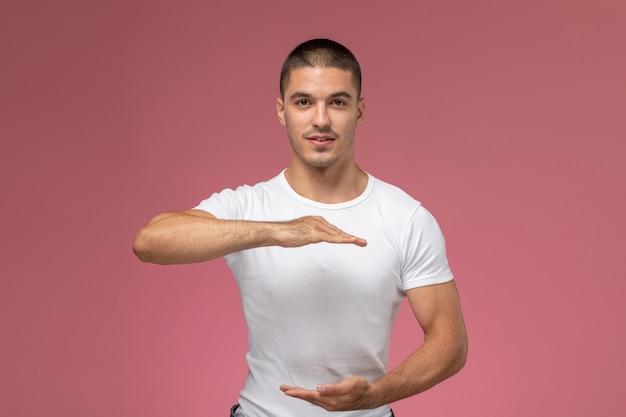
(423,282)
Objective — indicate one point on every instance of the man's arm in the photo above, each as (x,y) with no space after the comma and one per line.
(443,353)
(197,236)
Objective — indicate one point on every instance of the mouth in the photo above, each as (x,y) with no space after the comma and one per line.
(320,139)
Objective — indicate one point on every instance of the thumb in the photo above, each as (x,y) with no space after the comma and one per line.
(322,388)
(330,389)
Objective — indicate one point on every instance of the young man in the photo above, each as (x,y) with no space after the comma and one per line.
(323,255)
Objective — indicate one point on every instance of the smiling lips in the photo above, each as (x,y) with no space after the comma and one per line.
(321,140)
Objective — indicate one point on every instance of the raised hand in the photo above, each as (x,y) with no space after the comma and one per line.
(311,229)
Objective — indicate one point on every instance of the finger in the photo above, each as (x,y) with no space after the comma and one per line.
(330,233)
(294,390)
(351,238)
(301,393)
(348,386)
(343,237)
(332,389)
(359,241)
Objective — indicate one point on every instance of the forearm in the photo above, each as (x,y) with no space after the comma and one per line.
(179,237)
(195,236)
(437,359)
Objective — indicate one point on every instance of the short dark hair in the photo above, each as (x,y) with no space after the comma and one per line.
(321,53)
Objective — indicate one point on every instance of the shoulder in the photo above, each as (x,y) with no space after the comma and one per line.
(235,202)
(392,196)
(400,208)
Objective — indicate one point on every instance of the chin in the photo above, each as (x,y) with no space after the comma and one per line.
(322,164)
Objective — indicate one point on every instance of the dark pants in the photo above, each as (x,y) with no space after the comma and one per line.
(236,406)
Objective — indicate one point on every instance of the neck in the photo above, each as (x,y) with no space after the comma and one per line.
(327,185)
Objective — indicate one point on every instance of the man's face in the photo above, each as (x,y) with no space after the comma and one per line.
(321,111)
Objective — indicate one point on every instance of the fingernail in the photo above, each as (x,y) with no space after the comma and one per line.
(321,388)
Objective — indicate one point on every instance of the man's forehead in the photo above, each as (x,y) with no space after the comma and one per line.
(320,79)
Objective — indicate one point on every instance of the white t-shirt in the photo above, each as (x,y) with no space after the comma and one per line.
(322,312)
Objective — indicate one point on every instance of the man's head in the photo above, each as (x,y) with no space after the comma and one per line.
(320,104)
(323,53)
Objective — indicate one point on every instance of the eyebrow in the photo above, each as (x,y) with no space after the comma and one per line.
(300,94)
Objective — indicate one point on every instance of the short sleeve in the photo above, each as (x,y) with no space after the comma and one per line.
(424,252)
(223,205)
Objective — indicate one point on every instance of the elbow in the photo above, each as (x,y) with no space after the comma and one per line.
(143,247)
(460,358)
(149,241)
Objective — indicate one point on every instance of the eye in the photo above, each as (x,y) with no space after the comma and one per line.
(338,102)
(302,102)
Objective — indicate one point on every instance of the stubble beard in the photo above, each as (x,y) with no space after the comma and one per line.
(322,157)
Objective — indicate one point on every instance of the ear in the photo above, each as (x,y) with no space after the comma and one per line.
(280,110)
(360,111)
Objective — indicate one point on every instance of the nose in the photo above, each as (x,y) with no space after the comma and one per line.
(321,120)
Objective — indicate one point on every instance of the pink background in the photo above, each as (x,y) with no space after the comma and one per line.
(506,119)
